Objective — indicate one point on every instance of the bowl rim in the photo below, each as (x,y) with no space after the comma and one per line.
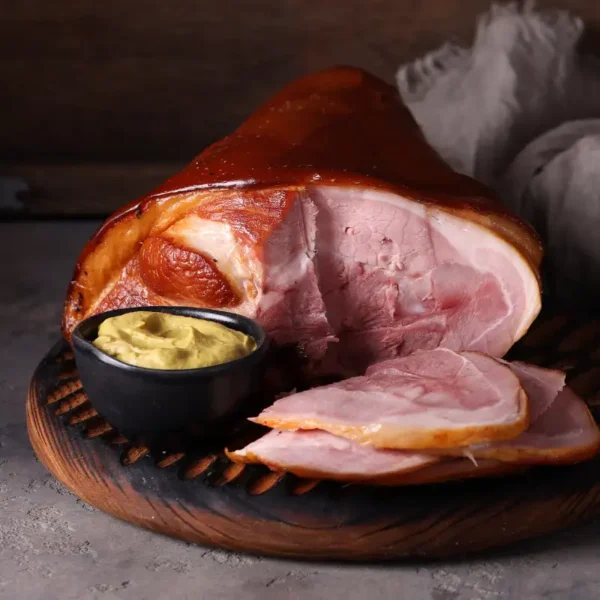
(81,343)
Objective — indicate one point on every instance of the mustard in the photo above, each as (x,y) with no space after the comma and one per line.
(165,341)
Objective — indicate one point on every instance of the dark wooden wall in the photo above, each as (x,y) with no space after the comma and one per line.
(101,100)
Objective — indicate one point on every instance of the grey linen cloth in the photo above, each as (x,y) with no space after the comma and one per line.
(520,111)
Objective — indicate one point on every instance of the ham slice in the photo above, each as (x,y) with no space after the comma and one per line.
(561,429)
(431,399)
(564,433)
(327,218)
(320,455)
(542,386)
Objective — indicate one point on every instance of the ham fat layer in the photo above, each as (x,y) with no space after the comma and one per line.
(327,218)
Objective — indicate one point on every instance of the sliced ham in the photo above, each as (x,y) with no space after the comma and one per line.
(328,219)
(320,455)
(561,428)
(564,433)
(542,386)
(431,399)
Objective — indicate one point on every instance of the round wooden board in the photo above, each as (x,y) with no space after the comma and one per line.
(206,499)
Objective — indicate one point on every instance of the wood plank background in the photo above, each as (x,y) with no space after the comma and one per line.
(100,100)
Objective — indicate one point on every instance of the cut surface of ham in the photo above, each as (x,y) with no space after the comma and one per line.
(431,399)
(320,455)
(327,218)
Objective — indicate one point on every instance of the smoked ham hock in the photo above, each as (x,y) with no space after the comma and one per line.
(328,218)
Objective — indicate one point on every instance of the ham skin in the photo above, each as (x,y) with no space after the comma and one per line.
(328,218)
(430,399)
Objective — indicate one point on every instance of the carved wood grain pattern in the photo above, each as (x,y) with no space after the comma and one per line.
(208,500)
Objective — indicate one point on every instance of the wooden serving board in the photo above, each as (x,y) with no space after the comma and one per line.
(201,497)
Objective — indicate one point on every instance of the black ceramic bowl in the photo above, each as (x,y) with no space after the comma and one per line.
(147,405)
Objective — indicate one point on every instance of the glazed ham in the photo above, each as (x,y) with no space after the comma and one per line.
(431,399)
(328,218)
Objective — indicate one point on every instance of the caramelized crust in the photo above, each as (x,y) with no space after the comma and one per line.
(128,262)
(129,291)
(252,216)
(184,275)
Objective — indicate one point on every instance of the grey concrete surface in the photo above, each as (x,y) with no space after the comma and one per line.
(53,546)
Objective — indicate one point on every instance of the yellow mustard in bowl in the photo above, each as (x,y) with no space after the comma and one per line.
(157,340)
